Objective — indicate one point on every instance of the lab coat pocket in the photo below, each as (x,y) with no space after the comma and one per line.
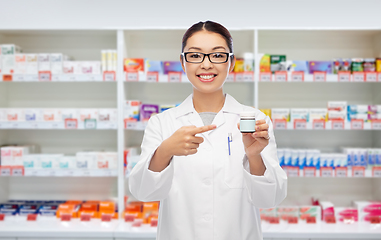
(233,166)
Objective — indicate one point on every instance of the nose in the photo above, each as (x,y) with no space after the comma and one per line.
(206,64)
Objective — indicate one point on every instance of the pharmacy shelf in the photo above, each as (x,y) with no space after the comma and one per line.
(63,173)
(363,77)
(51,227)
(54,78)
(57,125)
(346,173)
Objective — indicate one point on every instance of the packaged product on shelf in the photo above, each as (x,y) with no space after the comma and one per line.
(8,52)
(148,110)
(327,210)
(307,212)
(68,208)
(134,65)
(89,208)
(369,65)
(278,63)
(239,65)
(69,113)
(9,209)
(346,214)
(337,115)
(20,67)
(313,158)
(68,67)
(13,155)
(267,112)
(280,154)
(378,64)
(3,115)
(327,160)
(357,65)
(114,61)
(48,210)
(354,108)
(264,65)
(302,158)
(337,106)
(357,116)
(300,66)
(44,62)
(112,159)
(0,59)
(128,153)
(90,67)
(104,61)
(108,208)
(374,108)
(15,115)
(374,116)
(372,156)
(132,110)
(88,113)
(56,63)
(107,115)
(287,157)
(285,213)
(368,210)
(172,66)
(248,59)
(341,65)
(51,115)
(102,162)
(341,160)
(165,107)
(294,158)
(317,114)
(267,214)
(50,161)
(31,63)
(299,114)
(68,162)
(154,66)
(32,161)
(320,66)
(280,113)
(86,160)
(33,115)
(26,209)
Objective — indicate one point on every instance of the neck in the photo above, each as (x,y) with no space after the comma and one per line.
(208,102)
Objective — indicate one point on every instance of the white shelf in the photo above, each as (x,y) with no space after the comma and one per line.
(54,125)
(53,227)
(57,78)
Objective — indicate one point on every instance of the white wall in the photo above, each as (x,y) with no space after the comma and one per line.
(96,14)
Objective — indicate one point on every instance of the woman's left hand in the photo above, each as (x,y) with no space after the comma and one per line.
(255,142)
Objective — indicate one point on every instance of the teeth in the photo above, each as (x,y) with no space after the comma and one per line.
(206,76)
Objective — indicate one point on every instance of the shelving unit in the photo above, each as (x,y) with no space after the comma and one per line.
(160,44)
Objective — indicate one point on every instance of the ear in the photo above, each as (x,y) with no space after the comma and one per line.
(232,64)
(182,62)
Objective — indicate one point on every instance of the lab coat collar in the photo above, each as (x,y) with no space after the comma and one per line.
(230,106)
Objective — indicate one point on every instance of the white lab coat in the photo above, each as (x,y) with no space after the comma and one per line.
(208,195)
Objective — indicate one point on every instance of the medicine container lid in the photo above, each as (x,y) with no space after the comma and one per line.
(247,114)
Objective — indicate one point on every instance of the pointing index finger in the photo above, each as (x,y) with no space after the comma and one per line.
(203,129)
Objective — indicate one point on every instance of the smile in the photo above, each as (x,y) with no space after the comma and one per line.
(206,78)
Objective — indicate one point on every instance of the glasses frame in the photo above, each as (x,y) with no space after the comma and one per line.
(208,55)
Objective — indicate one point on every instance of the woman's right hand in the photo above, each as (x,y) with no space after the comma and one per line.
(184,141)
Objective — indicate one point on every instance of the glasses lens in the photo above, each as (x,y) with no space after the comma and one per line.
(194,57)
(219,57)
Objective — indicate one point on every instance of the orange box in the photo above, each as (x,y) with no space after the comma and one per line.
(76,202)
(134,207)
(65,208)
(114,215)
(107,207)
(89,206)
(93,214)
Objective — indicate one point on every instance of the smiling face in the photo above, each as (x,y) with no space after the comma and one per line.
(207,77)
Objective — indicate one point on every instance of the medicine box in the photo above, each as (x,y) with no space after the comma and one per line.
(280,113)
(88,113)
(132,110)
(337,106)
(56,63)
(107,115)
(51,115)
(154,66)
(320,66)
(21,64)
(31,63)
(172,66)
(368,210)
(300,66)
(299,114)
(44,62)
(318,114)
(148,110)
(15,115)
(278,63)
(68,67)
(354,108)
(8,52)
(134,65)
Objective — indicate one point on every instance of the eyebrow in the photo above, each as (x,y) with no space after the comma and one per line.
(196,48)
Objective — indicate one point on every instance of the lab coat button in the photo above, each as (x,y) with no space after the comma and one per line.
(207,217)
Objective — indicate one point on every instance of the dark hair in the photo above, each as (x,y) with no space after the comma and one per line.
(210,27)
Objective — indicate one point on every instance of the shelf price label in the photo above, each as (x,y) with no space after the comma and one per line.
(311,220)
(280,124)
(357,124)
(374,219)
(17,171)
(109,76)
(90,123)
(248,76)
(341,172)
(85,217)
(376,171)
(297,76)
(31,217)
(358,76)
(230,77)
(344,76)
(280,76)
(106,218)
(65,217)
(7,77)
(292,220)
(128,217)
(274,220)
(371,76)
(318,124)
(239,77)
(44,76)
(358,171)
(379,77)
(5,171)
(174,77)
(293,171)
(337,124)
(152,76)
(300,124)
(71,123)
(154,222)
(330,219)
(320,76)
(18,78)
(132,76)
(2,216)
(309,171)
(265,77)
(326,171)
(376,124)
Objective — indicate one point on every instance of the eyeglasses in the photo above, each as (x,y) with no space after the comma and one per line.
(196,57)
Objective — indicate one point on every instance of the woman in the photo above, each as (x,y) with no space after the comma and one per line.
(207,191)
